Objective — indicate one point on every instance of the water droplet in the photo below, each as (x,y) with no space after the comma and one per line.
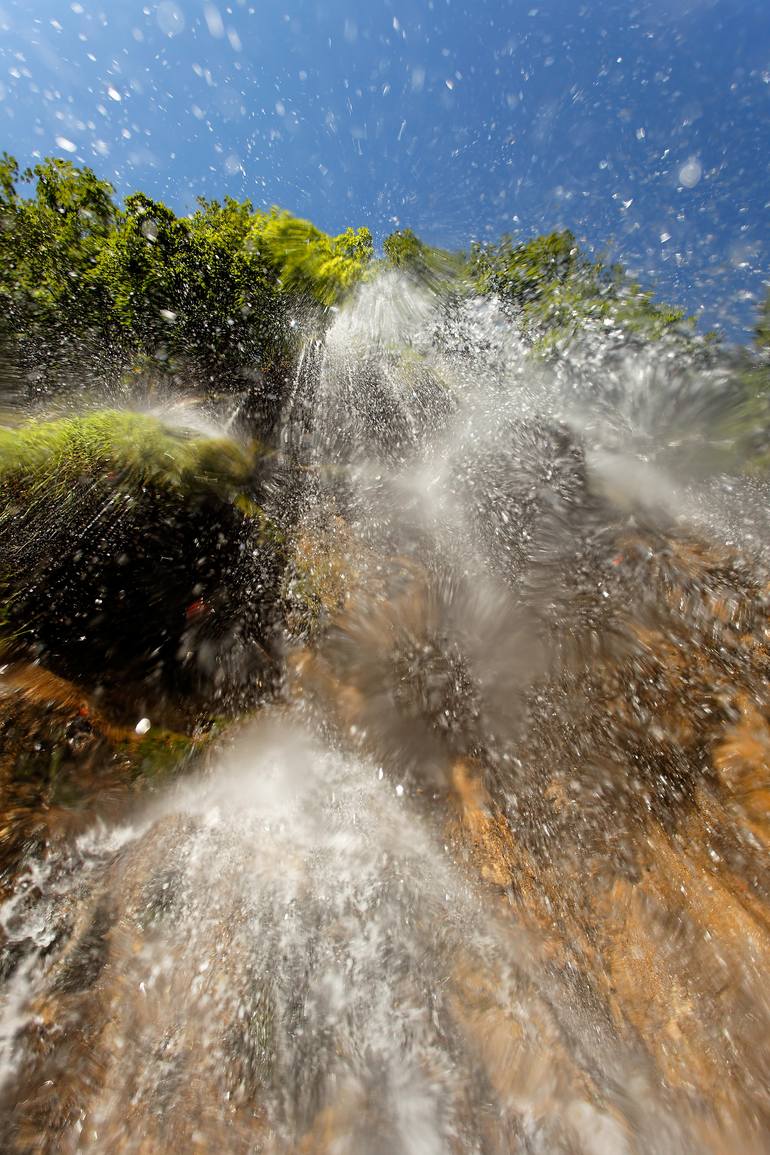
(170,18)
(690,172)
(214,21)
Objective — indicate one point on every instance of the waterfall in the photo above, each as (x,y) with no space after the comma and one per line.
(467,888)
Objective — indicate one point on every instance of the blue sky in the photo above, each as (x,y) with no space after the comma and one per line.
(643,126)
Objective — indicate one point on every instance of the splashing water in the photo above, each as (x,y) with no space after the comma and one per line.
(286,951)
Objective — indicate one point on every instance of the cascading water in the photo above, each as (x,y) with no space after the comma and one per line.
(465,890)
(328,981)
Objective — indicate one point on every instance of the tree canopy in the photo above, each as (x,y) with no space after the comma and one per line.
(80,275)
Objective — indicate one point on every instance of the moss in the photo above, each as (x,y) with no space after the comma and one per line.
(132,449)
(159,754)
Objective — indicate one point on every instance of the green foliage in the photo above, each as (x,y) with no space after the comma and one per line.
(438,267)
(209,294)
(525,272)
(750,426)
(49,242)
(182,288)
(308,263)
(49,246)
(554,289)
(557,290)
(404,250)
(212,295)
(90,289)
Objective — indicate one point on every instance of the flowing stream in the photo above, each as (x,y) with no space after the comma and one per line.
(490,876)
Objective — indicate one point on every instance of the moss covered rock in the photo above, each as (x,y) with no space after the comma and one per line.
(130,549)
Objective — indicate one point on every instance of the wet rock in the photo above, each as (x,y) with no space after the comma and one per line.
(64,763)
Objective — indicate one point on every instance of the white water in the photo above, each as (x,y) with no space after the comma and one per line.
(292,939)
